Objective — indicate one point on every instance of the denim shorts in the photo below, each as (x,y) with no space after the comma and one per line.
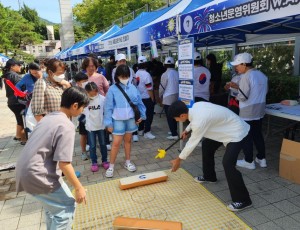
(122,127)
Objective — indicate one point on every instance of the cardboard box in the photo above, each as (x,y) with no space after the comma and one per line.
(125,223)
(289,166)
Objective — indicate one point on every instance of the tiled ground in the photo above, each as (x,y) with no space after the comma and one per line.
(276,201)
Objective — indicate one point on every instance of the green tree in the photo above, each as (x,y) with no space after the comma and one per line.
(31,15)
(101,13)
(15,30)
(275,59)
(79,33)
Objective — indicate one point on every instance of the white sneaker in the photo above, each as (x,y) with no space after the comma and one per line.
(172,137)
(245,164)
(262,163)
(141,133)
(110,138)
(87,148)
(149,135)
(108,147)
(109,172)
(135,138)
(84,156)
(130,167)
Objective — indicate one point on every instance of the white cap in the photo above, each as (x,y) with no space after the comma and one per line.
(241,58)
(197,56)
(142,59)
(120,57)
(169,60)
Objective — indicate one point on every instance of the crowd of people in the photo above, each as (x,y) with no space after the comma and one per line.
(118,101)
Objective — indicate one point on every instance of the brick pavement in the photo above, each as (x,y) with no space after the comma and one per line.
(276,201)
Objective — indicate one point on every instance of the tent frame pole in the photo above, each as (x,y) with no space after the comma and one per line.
(296,71)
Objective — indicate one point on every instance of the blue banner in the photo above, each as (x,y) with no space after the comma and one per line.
(160,30)
(227,14)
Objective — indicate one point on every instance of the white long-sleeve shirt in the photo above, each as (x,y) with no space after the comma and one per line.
(254,85)
(94,113)
(214,122)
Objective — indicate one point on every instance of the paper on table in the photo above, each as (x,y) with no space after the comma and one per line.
(292,110)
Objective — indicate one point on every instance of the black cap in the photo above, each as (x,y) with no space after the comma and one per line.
(12,62)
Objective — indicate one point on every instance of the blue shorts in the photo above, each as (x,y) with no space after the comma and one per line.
(122,127)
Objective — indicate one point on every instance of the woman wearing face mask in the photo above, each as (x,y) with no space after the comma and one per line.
(119,116)
(47,92)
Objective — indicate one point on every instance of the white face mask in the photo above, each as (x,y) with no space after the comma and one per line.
(59,78)
(92,98)
(84,84)
(124,81)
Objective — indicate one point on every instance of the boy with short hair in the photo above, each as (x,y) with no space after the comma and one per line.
(80,80)
(219,126)
(47,154)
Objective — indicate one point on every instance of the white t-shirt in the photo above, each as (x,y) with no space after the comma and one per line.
(144,83)
(169,83)
(94,114)
(214,122)
(201,82)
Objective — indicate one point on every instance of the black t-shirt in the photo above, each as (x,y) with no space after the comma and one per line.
(14,78)
(108,69)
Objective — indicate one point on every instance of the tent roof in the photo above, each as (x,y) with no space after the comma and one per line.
(196,4)
(3,58)
(175,10)
(89,40)
(114,29)
(143,19)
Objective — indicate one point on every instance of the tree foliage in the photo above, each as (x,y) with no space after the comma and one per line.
(101,13)
(15,30)
(273,59)
(31,15)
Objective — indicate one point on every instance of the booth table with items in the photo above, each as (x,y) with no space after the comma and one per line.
(284,111)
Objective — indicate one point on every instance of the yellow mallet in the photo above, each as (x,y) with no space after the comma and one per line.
(162,152)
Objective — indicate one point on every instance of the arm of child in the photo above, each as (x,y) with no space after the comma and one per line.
(68,170)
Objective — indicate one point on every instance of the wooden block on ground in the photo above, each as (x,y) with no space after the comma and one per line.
(125,223)
(143,179)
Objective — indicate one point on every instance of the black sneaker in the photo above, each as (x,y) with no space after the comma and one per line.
(200,179)
(239,206)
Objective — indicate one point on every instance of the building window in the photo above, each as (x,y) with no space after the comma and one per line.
(49,48)
(40,49)
(33,51)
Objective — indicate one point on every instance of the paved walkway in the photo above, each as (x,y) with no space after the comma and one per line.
(276,201)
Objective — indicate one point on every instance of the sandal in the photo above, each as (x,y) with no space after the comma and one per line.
(17,139)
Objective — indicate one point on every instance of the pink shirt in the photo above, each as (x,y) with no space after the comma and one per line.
(101,82)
